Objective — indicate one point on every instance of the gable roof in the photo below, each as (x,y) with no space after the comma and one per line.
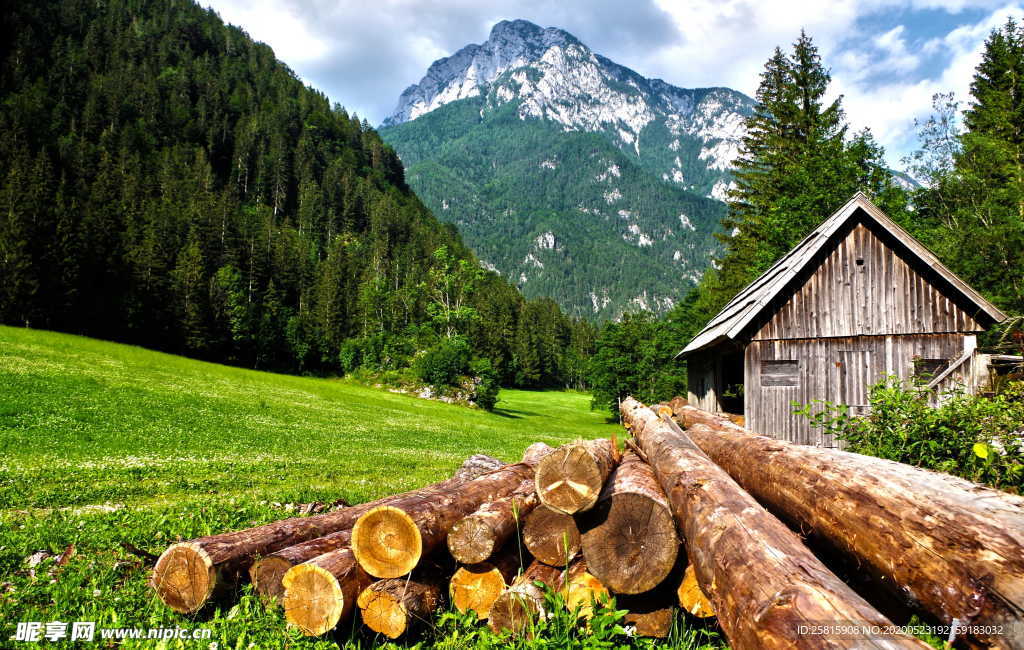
(751,302)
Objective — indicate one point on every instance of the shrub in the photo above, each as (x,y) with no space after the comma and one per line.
(443,365)
(977,437)
(486,394)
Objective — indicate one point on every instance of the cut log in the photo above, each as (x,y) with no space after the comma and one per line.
(477,586)
(954,548)
(390,540)
(570,478)
(267,574)
(320,593)
(188,573)
(582,589)
(476,537)
(630,539)
(393,606)
(691,599)
(763,582)
(551,536)
(517,609)
(650,614)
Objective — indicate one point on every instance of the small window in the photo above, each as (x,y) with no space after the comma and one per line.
(780,372)
(929,368)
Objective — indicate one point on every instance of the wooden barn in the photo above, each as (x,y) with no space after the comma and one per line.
(857,300)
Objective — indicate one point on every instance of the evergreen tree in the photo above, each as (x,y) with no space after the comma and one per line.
(797,166)
(974,201)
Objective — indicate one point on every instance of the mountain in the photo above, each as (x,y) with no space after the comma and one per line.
(571,175)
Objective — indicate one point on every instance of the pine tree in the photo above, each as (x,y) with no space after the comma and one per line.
(972,209)
(797,166)
(990,167)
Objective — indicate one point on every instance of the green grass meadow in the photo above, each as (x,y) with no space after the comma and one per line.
(112,448)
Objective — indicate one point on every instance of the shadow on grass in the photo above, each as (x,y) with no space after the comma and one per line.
(513,414)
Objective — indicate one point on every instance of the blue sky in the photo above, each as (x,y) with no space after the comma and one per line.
(887,57)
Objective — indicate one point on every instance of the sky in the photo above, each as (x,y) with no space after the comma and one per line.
(887,57)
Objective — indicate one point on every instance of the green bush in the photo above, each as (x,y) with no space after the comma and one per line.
(443,365)
(977,437)
(486,394)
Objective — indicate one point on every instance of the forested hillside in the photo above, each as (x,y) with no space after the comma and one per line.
(168,182)
(565,215)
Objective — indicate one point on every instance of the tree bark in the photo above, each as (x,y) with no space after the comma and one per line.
(630,539)
(952,547)
(476,586)
(320,593)
(390,540)
(766,586)
(570,478)
(188,573)
(551,536)
(519,606)
(476,537)
(393,606)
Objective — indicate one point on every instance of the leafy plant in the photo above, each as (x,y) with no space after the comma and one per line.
(977,437)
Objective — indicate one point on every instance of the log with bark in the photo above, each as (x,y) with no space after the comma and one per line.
(320,593)
(389,541)
(763,582)
(551,536)
(476,586)
(188,573)
(518,607)
(953,547)
(267,574)
(570,478)
(395,605)
(582,589)
(630,539)
(476,537)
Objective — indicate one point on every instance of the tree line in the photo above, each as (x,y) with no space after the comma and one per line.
(167,182)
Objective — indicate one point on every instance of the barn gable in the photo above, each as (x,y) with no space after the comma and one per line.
(864,285)
(753,308)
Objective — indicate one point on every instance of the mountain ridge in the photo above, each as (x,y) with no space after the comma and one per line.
(531,136)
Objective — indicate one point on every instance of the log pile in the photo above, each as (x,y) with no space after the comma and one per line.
(695,517)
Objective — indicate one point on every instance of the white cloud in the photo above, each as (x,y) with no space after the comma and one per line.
(890,108)
(364,54)
(283,27)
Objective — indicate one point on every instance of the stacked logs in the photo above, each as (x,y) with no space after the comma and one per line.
(703,520)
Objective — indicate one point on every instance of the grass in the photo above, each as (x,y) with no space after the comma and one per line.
(108,447)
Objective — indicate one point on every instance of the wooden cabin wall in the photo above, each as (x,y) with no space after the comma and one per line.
(864,287)
(840,370)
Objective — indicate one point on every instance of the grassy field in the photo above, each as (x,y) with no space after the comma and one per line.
(109,447)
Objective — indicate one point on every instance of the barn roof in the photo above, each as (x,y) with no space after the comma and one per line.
(748,304)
